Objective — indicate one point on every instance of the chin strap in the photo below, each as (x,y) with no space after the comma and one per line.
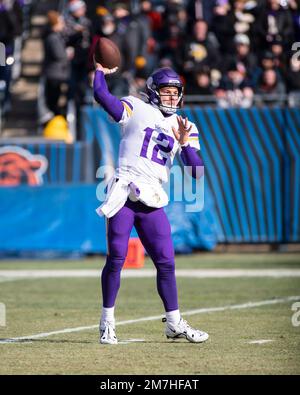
(168,110)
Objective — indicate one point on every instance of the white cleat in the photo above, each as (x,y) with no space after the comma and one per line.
(107,333)
(183,330)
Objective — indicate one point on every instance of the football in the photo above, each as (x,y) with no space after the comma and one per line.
(107,53)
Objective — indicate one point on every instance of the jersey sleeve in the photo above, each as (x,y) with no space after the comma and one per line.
(194,137)
(128,103)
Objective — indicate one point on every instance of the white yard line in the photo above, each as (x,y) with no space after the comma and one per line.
(262,341)
(127,341)
(11,275)
(247,305)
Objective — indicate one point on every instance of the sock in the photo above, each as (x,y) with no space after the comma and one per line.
(173,317)
(108,314)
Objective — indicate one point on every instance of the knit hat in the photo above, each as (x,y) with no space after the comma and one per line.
(75,5)
(242,39)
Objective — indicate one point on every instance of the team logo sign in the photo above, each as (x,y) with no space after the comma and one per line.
(19,166)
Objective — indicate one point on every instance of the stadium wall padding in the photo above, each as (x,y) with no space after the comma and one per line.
(66,163)
(63,218)
(51,217)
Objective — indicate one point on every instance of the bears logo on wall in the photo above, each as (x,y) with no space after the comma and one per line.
(19,166)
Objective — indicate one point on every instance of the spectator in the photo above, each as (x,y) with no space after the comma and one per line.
(78,31)
(235,90)
(155,18)
(171,47)
(156,34)
(258,27)
(134,33)
(293,82)
(200,84)
(201,49)
(280,55)
(201,9)
(175,12)
(277,21)
(295,11)
(270,85)
(223,25)
(166,62)
(248,37)
(244,55)
(174,34)
(147,58)
(138,83)
(9,28)
(266,62)
(56,67)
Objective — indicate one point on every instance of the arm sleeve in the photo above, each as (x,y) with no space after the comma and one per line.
(111,104)
(191,158)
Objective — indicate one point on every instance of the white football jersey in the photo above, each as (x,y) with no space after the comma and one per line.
(148,146)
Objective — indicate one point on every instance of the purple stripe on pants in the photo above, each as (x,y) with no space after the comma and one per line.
(154,230)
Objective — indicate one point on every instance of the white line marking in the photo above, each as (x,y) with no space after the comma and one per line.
(144,273)
(127,341)
(262,341)
(247,305)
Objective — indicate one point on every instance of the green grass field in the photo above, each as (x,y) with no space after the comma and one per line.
(44,305)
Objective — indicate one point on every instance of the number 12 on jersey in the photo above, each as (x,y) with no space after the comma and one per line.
(167,144)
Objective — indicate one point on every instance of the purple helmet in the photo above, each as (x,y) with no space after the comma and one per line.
(159,79)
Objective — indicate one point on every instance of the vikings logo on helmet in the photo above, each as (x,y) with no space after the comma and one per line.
(161,78)
(19,166)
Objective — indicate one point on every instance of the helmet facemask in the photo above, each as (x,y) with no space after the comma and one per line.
(170,109)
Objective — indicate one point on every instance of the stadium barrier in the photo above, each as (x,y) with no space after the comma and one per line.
(252,162)
(62,218)
(60,163)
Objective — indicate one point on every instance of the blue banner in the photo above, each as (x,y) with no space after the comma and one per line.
(63,218)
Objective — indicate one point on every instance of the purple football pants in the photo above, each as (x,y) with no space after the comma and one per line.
(154,231)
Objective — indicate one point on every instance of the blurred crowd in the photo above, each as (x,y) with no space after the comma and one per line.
(228,52)
(14,29)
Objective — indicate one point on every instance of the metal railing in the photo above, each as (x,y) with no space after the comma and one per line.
(291,100)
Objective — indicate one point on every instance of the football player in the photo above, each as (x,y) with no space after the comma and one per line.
(152,134)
